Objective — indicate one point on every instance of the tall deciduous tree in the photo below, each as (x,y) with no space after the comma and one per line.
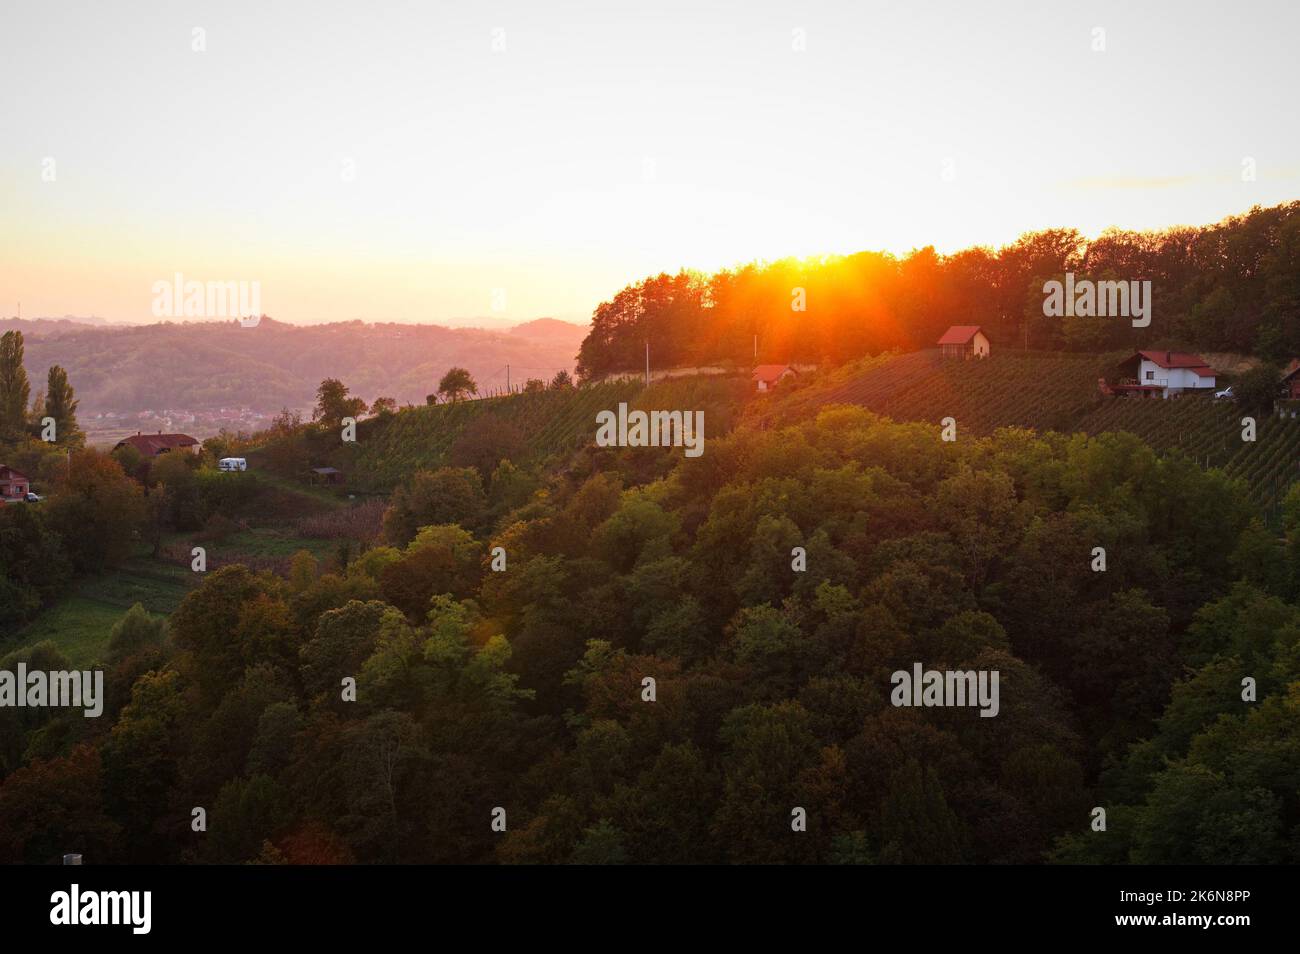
(14,387)
(61,404)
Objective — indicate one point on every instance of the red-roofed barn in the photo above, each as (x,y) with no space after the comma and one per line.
(964,341)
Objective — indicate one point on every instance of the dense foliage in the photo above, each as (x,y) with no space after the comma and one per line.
(522,686)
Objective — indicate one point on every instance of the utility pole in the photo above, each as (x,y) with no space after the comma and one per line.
(507,379)
(647,362)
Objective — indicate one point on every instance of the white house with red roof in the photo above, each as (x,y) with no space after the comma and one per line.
(964,341)
(1164,373)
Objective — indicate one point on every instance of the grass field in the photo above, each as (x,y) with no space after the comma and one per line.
(77,625)
(80,623)
(263,542)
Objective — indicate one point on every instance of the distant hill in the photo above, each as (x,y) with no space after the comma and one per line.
(204,365)
(44,326)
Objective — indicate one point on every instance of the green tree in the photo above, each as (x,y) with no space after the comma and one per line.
(61,405)
(446,495)
(441,559)
(135,631)
(1258,388)
(917,826)
(14,387)
(601,844)
(333,404)
(207,627)
(456,384)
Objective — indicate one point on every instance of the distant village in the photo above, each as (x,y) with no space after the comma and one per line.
(105,429)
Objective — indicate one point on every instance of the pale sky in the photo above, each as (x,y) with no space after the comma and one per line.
(390,161)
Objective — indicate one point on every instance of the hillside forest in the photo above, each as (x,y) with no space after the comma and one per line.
(462,632)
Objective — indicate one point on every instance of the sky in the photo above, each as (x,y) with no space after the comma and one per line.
(491,161)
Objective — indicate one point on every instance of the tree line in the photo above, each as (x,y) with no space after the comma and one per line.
(1232,286)
(57,403)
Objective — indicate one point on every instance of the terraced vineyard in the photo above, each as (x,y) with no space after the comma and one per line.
(554,423)
(1025,389)
(1050,391)
(1210,433)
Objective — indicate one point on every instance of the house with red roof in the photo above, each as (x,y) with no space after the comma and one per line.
(964,341)
(13,485)
(767,376)
(1163,374)
(1291,380)
(152,445)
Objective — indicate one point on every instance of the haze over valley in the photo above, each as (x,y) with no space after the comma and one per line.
(199,377)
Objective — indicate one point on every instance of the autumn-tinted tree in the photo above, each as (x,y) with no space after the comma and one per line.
(97,511)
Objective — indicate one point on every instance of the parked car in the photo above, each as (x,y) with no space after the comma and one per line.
(1224,395)
(33,498)
(232,464)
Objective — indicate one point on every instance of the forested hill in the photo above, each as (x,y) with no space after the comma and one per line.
(525,688)
(1231,286)
(213,364)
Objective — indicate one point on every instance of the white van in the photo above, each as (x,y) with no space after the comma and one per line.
(232,463)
